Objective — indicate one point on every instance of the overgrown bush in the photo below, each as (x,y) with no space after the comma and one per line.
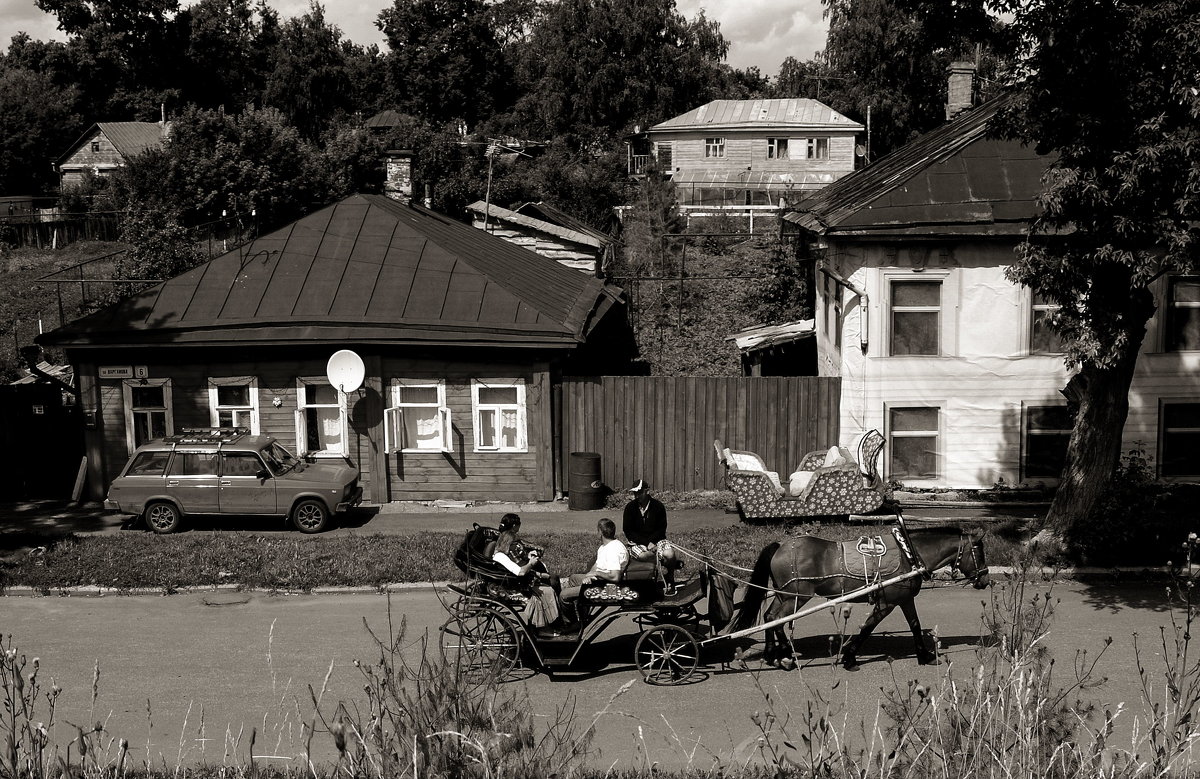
(1138,520)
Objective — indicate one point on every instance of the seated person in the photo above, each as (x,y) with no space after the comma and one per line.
(541,608)
(611,559)
(644,523)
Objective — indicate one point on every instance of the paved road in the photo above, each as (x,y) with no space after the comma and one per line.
(211,666)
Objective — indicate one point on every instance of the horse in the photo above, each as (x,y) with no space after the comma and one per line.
(800,568)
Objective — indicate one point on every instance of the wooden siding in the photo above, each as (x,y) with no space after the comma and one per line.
(84,159)
(743,151)
(462,474)
(662,428)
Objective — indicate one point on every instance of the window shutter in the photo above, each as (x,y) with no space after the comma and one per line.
(393,430)
(444,414)
(301,433)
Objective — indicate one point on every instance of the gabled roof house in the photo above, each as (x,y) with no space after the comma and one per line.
(459,331)
(933,344)
(106,146)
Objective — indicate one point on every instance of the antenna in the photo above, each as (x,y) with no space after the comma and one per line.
(345,370)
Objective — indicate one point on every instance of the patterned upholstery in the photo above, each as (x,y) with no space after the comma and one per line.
(833,490)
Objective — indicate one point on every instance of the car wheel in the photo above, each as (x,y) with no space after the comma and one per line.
(310,516)
(162,517)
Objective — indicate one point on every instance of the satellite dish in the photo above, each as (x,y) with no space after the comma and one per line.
(345,370)
(860,150)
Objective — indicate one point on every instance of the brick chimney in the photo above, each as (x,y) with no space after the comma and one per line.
(397,182)
(960,89)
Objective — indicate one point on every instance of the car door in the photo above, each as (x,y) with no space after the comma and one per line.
(192,481)
(246,486)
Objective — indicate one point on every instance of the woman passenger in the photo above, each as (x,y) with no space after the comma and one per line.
(541,608)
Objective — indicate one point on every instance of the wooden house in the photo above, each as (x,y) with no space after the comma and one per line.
(937,349)
(737,153)
(106,146)
(541,228)
(460,332)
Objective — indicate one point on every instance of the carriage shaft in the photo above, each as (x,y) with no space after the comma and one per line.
(918,571)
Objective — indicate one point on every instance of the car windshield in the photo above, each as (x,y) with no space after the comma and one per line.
(279,459)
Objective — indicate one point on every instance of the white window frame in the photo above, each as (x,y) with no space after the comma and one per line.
(664,155)
(938,437)
(1034,308)
(777,149)
(215,408)
(302,422)
(393,428)
(948,301)
(127,403)
(522,415)
(714,148)
(817,147)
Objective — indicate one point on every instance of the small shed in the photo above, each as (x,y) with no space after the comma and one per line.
(575,246)
(460,333)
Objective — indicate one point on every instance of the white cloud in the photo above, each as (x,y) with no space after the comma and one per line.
(764,32)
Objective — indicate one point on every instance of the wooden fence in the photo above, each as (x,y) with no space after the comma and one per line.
(662,428)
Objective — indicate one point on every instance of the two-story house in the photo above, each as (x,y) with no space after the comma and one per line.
(937,349)
(738,153)
(106,146)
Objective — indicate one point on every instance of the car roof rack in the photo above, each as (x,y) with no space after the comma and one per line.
(208,435)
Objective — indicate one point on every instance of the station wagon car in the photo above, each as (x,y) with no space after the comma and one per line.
(228,471)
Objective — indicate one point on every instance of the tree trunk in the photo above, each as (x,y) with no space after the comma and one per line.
(1101,395)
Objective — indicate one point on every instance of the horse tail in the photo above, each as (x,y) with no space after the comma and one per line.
(755,593)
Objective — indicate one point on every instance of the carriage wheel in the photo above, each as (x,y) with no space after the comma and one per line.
(483,642)
(667,654)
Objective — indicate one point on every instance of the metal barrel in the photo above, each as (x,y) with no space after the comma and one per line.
(585,492)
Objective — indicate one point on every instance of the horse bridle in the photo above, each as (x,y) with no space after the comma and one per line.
(974,544)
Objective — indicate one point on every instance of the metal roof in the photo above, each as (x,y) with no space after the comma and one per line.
(765,336)
(548,213)
(955,180)
(757,179)
(797,113)
(129,138)
(532,223)
(385,119)
(367,269)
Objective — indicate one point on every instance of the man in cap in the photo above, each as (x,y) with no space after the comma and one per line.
(644,523)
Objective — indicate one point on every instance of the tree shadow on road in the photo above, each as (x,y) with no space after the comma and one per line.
(1113,596)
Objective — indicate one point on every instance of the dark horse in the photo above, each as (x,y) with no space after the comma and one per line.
(800,568)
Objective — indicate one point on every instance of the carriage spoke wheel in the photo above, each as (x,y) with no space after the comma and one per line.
(483,642)
(667,654)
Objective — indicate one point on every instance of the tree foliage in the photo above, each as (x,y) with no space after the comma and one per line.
(1109,90)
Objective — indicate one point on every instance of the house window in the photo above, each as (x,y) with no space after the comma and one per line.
(1183,314)
(714,147)
(1047,431)
(320,418)
(1180,438)
(818,148)
(147,411)
(418,419)
(95,147)
(777,148)
(233,402)
(498,407)
(662,153)
(914,442)
(915,317)
(1043,339)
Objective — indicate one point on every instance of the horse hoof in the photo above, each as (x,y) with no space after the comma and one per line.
(850,664)
(787,664)
(930,659)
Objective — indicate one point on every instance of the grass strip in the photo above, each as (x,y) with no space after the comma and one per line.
(130,561)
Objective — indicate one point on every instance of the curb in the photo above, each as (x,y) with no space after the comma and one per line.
(1143,573)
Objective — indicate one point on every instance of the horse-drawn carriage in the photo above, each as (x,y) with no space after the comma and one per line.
(488,635)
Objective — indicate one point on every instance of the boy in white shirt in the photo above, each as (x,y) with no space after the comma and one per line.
(611,559)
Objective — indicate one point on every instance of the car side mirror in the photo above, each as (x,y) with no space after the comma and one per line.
(263,473)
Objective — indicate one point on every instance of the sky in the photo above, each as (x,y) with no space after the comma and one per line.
(760,32)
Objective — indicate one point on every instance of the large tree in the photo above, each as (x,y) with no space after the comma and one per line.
(37,120)
(1109,90)
(592,68)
